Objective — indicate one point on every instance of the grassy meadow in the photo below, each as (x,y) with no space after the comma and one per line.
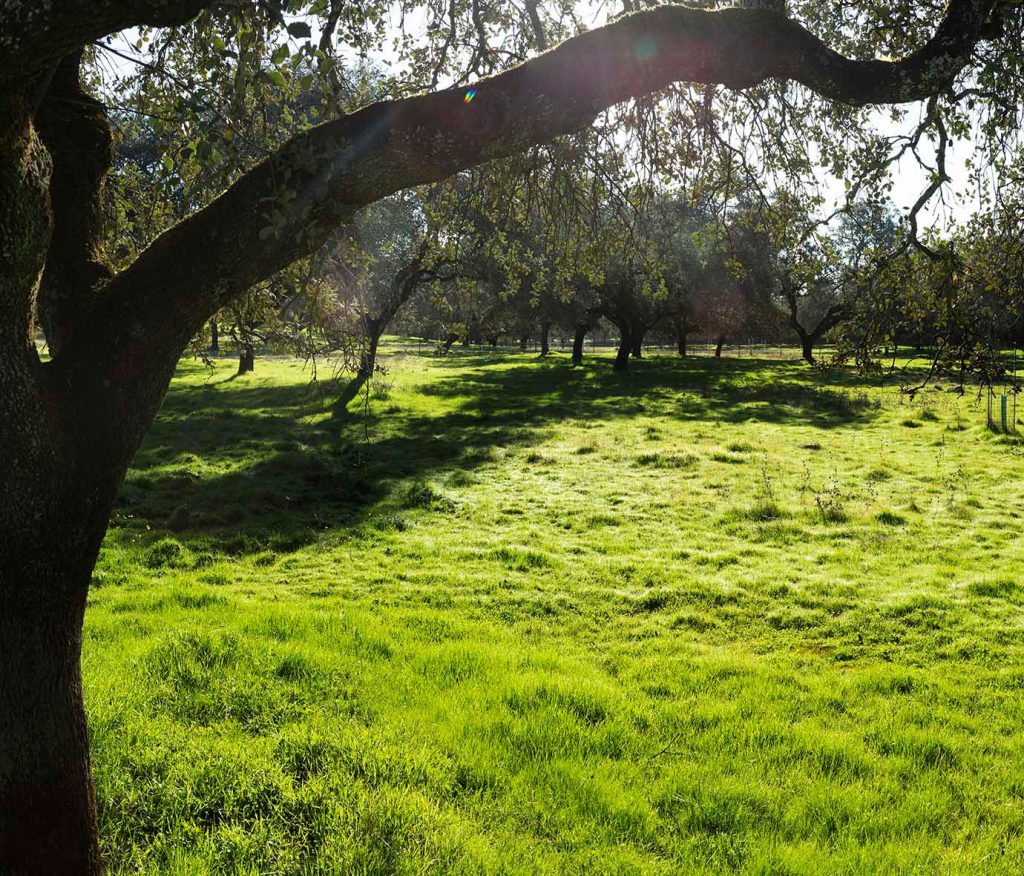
(705,617)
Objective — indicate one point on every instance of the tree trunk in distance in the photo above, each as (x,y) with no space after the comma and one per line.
(577,344)
(718,347)
(545,331)
(367,365)
(214,337)
(637,347)
(246,359)
(622,356)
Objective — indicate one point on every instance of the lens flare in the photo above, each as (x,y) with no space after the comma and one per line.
(470,94)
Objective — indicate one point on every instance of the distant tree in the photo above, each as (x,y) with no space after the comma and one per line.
(371,273)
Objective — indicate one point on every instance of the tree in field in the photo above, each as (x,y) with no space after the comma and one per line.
(960,303)
(73,421)
(630,302)
(823,280)
(690,259)
(385,255)
(788,267)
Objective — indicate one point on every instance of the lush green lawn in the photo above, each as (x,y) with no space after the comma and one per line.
(706,617)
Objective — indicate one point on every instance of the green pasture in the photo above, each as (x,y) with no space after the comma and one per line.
(514,617)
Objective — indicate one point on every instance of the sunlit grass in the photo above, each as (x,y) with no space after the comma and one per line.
(704,617)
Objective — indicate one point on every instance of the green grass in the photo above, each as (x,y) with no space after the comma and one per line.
(704,617)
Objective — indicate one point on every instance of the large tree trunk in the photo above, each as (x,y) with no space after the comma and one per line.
(545,333)
(577,343)
(637,346)
(54,507)
(47,808)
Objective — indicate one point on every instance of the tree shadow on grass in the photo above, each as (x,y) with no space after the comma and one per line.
(729,390)
(238,468)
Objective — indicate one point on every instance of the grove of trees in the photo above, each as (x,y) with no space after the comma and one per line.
(309,168)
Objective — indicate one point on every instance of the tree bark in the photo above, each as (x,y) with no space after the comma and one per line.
(718,347)
(622,356)
(545,332)
(637,345)
(246,359)
(75,130)
(214,336)
(62,461)
(577,343)
(47,807)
